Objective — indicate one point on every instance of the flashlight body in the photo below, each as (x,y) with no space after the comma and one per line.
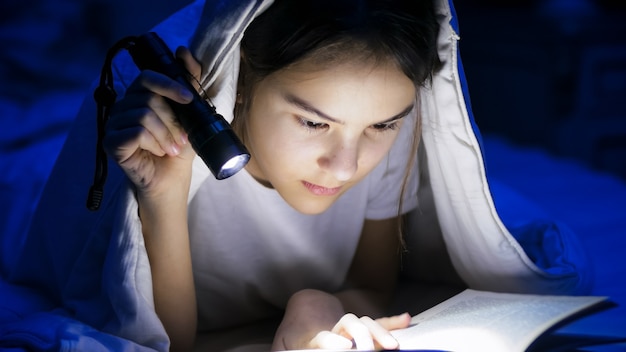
(209,133)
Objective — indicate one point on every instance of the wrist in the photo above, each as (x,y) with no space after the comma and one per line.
(167,194)
(162,209)
(167,183)
(317,306)
(308,312)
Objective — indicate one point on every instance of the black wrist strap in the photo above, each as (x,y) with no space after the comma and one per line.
(105,97)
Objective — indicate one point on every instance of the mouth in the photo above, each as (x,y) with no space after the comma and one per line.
(320,190)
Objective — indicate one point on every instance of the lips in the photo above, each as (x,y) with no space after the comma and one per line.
(320,190)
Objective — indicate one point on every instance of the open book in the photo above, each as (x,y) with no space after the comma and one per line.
(488,321)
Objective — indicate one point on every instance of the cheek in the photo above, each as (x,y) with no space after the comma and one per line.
(281,147)
(301,154)
(262,132)
(371,155)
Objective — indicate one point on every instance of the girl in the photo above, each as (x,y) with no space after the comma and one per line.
(311,225)
(308,232)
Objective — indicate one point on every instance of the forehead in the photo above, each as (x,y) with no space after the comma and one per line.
(346,86)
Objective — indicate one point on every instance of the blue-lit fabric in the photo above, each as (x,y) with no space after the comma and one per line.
(90,273)
(496,240)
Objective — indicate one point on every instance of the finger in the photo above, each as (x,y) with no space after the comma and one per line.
(191,65)
(395,322)
(380,334)
(352,327)
(121,145)
(146,105)
(162,85)
(330,341)
(161,132)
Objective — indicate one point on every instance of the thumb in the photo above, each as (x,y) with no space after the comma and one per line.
(330,341)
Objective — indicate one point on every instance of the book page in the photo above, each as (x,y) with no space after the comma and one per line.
(489,321)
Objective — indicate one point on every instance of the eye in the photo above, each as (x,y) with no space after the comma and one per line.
(311,125)
(387,126)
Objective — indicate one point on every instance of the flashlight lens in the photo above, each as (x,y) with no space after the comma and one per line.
(221,150)
(233,166)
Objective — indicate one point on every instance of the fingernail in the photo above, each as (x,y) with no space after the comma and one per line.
(184,139)
(186,94)
(390,342)
(175,149)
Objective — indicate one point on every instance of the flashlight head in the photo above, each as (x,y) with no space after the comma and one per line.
(209,134)
(220,149)
(211,137)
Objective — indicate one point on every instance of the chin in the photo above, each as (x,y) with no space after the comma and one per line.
(305,202)
(313,206)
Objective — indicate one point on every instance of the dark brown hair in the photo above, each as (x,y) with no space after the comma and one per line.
(331,31)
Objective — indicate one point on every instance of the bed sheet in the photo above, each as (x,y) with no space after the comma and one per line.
(592,203)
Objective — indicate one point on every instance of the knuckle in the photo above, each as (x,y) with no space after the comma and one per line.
(154,82)
(145,115)
(366,319)
(348,317)
(146,77)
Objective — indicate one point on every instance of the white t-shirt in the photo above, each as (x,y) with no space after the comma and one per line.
(251,251)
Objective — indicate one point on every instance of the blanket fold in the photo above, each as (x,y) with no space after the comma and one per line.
(483,251)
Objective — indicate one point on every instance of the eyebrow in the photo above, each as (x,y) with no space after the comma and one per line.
(292,99)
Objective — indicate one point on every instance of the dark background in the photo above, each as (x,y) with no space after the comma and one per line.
(550,73)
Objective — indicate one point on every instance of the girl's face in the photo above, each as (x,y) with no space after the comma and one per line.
(314,132)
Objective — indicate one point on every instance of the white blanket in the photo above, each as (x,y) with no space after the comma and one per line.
(90,274)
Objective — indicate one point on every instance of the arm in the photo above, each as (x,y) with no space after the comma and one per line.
(164,221)
(142,136)
(162,187)
(316,319)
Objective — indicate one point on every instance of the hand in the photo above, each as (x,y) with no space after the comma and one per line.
(143,136)
(361,333)
(316,319)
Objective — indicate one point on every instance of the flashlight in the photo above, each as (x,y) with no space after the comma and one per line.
(209,134)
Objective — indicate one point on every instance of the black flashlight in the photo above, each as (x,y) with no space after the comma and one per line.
(209,134)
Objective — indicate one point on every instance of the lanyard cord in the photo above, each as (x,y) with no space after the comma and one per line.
(104,96)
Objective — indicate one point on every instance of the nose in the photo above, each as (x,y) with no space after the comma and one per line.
(340,160)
